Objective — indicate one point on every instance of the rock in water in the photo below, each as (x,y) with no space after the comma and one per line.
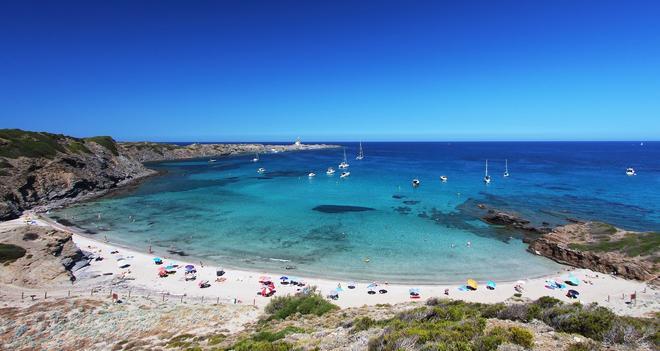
(341,208)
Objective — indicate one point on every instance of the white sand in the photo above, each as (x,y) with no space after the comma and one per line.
(606,290)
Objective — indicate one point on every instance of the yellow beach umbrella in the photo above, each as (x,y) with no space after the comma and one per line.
(472,284)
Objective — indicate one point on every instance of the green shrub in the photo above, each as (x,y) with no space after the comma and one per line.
(282,307)
(274,336)
(16,143)
(521,336)
(251,345)
(363,323)
(583,346)
(10,253)
(105,141)
(591,321)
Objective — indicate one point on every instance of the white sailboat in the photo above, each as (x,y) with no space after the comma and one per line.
(630,172)
(443,178)
(486,176)
(506,167)
(311,174)
(344,174)
(361,154)
(330,171)
(344,164)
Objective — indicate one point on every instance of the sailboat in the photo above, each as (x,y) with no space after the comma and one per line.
(361,154)
(344,164)
(486,176)
(506,167)
(256,157)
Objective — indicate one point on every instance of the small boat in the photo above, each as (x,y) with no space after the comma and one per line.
(212,160)
(261,170)
(630,172)
(330,171)
(487,177)
(506,168)
(256,157)
(344,174)
(415,183)
(311,174)
(360,154)
(443,178)
(344,164)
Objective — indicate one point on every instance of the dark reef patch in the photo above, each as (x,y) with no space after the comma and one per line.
(398,197)
(404,210)
(411,202)
(341,208)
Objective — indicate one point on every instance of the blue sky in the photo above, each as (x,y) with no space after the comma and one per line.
(332,70)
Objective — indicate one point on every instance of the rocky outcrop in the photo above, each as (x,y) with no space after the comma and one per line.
(513,221)
(556,245)
(42,170)
(147,151)
(61,170)
(49,257)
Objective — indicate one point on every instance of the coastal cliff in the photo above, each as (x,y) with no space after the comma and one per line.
(41,170)
(602,248)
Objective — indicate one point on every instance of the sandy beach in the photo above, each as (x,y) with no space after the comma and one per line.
(242,287)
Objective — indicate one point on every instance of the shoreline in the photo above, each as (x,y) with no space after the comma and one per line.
(241,286)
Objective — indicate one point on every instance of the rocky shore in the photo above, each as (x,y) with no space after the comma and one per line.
(596,246)
(40,171)
(580,245)
(37,256)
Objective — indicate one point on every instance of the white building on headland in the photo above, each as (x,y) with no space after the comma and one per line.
(297,143)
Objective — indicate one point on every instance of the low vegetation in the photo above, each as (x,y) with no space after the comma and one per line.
(282,307)
(632,245)
(105,141)
(15,143)
(456,325)
(10,253)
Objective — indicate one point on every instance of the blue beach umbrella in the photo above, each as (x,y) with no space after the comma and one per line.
(372,285)
(190,268)
(284,277)
(491,284)
(158,260)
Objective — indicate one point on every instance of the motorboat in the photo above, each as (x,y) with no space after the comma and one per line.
(330,171)
(344,174)
(311,174)
(415,183)
(443,178)
(261,170)
(506,168)
(630,172)
(256,157)
(213,160)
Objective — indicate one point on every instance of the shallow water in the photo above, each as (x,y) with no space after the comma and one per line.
(227,213)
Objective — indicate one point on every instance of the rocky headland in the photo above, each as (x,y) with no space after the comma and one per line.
(35,257)
(42,170)
(592,245)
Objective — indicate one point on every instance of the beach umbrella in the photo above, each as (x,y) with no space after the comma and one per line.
(520,282)
(158,260)
(169,268)
(284,277)
(413,290)
(189,267)
(351,285)
(372,285)
(491,284)
(574,280)
(472,283)
(264,278)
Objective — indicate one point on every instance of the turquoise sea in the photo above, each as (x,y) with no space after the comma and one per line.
(227,213)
